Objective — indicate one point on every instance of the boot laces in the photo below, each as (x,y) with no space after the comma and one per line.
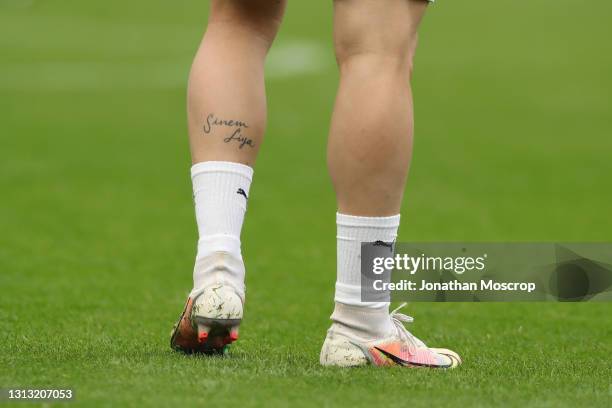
(398,320)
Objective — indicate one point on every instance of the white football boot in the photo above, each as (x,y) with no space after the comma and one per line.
(401,348)
(214,309)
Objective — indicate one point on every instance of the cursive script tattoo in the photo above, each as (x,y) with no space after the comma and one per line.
(213,121)
(236,134)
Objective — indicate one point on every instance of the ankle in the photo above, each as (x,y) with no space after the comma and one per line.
(364,323)
(219,268)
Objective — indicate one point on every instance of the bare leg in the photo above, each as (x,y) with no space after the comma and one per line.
(227,120)
(370,143)
(369,153)
(226,96)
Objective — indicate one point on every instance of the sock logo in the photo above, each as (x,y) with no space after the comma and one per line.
(242,193)
(385,244)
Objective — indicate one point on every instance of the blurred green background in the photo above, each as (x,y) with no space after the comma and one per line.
(97,236)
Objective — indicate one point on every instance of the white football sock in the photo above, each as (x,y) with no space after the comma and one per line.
(352,231)
(220,191)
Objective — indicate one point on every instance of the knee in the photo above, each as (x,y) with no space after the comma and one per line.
(368,32)
(394,56)
(260,18)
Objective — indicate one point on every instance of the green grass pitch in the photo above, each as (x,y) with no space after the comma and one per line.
(97,234)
